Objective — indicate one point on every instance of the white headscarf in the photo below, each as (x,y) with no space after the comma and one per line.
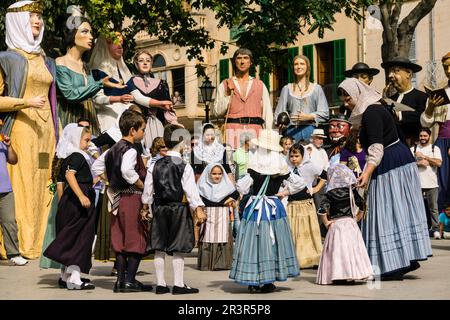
(363,96)
(308,170)
(340,176)
(268,162)
(61,147)
(18,30)
(211,153)
(214,192)
(72,143)
(102,60)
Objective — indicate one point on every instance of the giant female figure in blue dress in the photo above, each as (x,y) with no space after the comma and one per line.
(304,101)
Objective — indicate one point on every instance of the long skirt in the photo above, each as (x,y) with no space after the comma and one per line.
(75,230)
(50,235)
(103,250)
(215,249)
(264,252)
(344,254)
(172,229)
(444,173)
(305,232)
(395,230)
(128,233)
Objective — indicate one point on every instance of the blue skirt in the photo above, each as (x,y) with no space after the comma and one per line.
(444,174)
(395,230)
(264,253)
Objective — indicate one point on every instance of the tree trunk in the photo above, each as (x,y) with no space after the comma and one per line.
(397,36)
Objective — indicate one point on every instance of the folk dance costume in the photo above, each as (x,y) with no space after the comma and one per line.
(103,64)
(205,153)
(395,229)
(313,102)
(303,221)
(245,112)
(344,255)
(264,251)
(58,177)
(172,230)
(25,72)
(145,88)
(441,116)
(124,167)
(75,224)
(215,249)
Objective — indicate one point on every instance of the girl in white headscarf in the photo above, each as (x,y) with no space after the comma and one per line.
(28,108)
(396,208)
(302,211)
(219,196)
(75,219)
(344,258)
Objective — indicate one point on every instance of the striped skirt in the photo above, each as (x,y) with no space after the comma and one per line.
(305,232)
(395,230)
(264,252)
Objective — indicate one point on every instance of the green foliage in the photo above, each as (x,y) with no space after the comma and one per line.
(265,25)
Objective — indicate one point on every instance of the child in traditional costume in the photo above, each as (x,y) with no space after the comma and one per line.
(344,258)
(75,219)
(215,250)
(264,251)
(172,230)
(302,211)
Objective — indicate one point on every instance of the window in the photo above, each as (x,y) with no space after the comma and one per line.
(413,57)
(178,82)
(308,51)
(292,52)
(159,61)
(224,69)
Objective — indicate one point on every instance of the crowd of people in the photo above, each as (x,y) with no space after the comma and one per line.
(264,199)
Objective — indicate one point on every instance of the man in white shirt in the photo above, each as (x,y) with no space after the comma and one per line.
(428,159)
(319,157)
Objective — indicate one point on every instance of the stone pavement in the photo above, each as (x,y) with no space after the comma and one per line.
(431,281)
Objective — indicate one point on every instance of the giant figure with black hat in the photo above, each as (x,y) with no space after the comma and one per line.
(400,72)
(338,132)
(362,72)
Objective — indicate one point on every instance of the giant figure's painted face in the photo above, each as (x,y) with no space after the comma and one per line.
(338,129)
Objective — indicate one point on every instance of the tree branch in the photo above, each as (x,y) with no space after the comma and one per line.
(410,22)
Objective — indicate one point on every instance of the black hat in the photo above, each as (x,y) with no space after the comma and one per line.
(283,119)
(339,117)
(401,62)
(361,67)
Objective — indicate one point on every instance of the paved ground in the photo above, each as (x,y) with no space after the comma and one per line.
(431,281)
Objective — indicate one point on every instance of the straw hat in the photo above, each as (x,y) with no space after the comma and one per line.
(268,139)
(318,133)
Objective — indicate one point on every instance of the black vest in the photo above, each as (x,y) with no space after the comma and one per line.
(167,175)
(113,162)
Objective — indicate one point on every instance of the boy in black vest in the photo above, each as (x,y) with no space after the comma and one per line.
(126,172)
(172,232)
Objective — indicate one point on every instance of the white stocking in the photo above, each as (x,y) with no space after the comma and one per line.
(159,266)
(64,274)
(75,276)
(178,269)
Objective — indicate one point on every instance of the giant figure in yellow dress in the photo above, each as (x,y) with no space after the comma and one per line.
(28,108)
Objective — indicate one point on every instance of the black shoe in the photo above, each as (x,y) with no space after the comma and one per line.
(254,289)
(184,290)
(162,290)
(113,273)
(116,287)
(144,287)
(129,287)
(268,288)
(82,286)
(63,284)
(393,277)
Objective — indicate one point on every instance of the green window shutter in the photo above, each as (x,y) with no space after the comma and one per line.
(265,78)
(224,69)
(339,61)
(292,52)
(338,65)
(308,51)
